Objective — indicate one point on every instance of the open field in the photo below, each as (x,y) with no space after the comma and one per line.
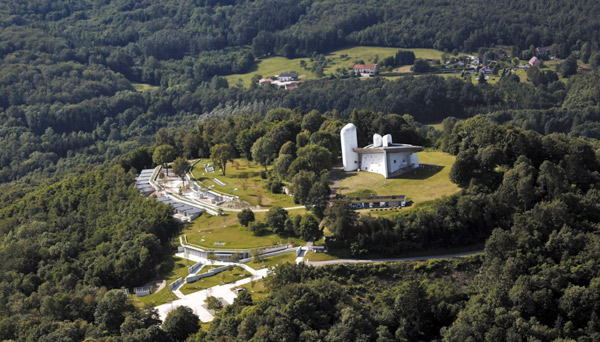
(245,182)
(257,289)
(274,260)
(222,278)
(161,297)
(423,184)
(207,230)
(271,66)
(312,256)
(144,87)
(368,54)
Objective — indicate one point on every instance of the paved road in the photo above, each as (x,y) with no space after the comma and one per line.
(430,257)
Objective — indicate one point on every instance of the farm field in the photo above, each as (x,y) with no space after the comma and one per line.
(423,184)
(274,65)
(244,182)
(228,233)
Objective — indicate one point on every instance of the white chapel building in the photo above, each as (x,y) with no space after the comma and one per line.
(382,156)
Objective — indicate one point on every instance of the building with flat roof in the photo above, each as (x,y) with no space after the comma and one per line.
(383,156)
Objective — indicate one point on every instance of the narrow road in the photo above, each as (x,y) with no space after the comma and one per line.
(419,258)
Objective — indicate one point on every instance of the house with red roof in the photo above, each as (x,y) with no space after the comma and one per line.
(533,61)
(365,69)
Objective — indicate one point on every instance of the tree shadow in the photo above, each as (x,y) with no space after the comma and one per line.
(424,171)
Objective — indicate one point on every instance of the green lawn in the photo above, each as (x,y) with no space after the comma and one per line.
(312,256)
(257,289)
(222,278)
(423,184)
(170,269)
(274,260)
(227,229)
(368,53)
(144,87)
(161,297)
(271,66)
(244,182)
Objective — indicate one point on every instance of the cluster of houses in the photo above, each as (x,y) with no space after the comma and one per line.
(285,80)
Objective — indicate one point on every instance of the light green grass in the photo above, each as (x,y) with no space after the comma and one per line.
(438,126)
(245,182)
(161,297)
(227,229)
(423,184)
(225,277)
(274,260)
(312,256)
(272,66)
(144,87)
(258,289)
(368,54)
(170,269)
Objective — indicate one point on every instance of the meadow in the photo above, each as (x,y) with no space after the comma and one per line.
(424,184)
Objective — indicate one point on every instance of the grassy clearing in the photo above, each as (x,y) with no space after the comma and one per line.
(272,66)
(170,269)
(225,277)
(368,54)
(207,230)
(273,261)
(275,65)
(312,256)
(258,289)
(173,268)
(244,182)
(423,184)
(144,87)
(161,297)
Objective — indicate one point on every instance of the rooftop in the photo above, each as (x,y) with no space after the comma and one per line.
(390,148)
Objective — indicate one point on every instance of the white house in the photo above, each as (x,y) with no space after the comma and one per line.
(382,156)
(365,69)
(287,76)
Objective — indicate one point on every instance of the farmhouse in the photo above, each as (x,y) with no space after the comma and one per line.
(533,61)
(382,156)
(365,69)
(485,70)
(287,77)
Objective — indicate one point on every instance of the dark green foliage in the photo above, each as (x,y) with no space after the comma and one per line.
(246,216)
(420,65)
(309,228)
(181,323)
(62,242)
(276,219)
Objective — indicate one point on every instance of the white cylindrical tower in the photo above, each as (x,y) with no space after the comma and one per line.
(387,140)
(377,140)
(349,143)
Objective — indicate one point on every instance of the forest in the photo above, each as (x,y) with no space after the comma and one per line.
(89,90)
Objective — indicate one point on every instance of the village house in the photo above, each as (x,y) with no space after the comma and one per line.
(485,70)
(368,69)
(543,50)
(533,61)
(287,76)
